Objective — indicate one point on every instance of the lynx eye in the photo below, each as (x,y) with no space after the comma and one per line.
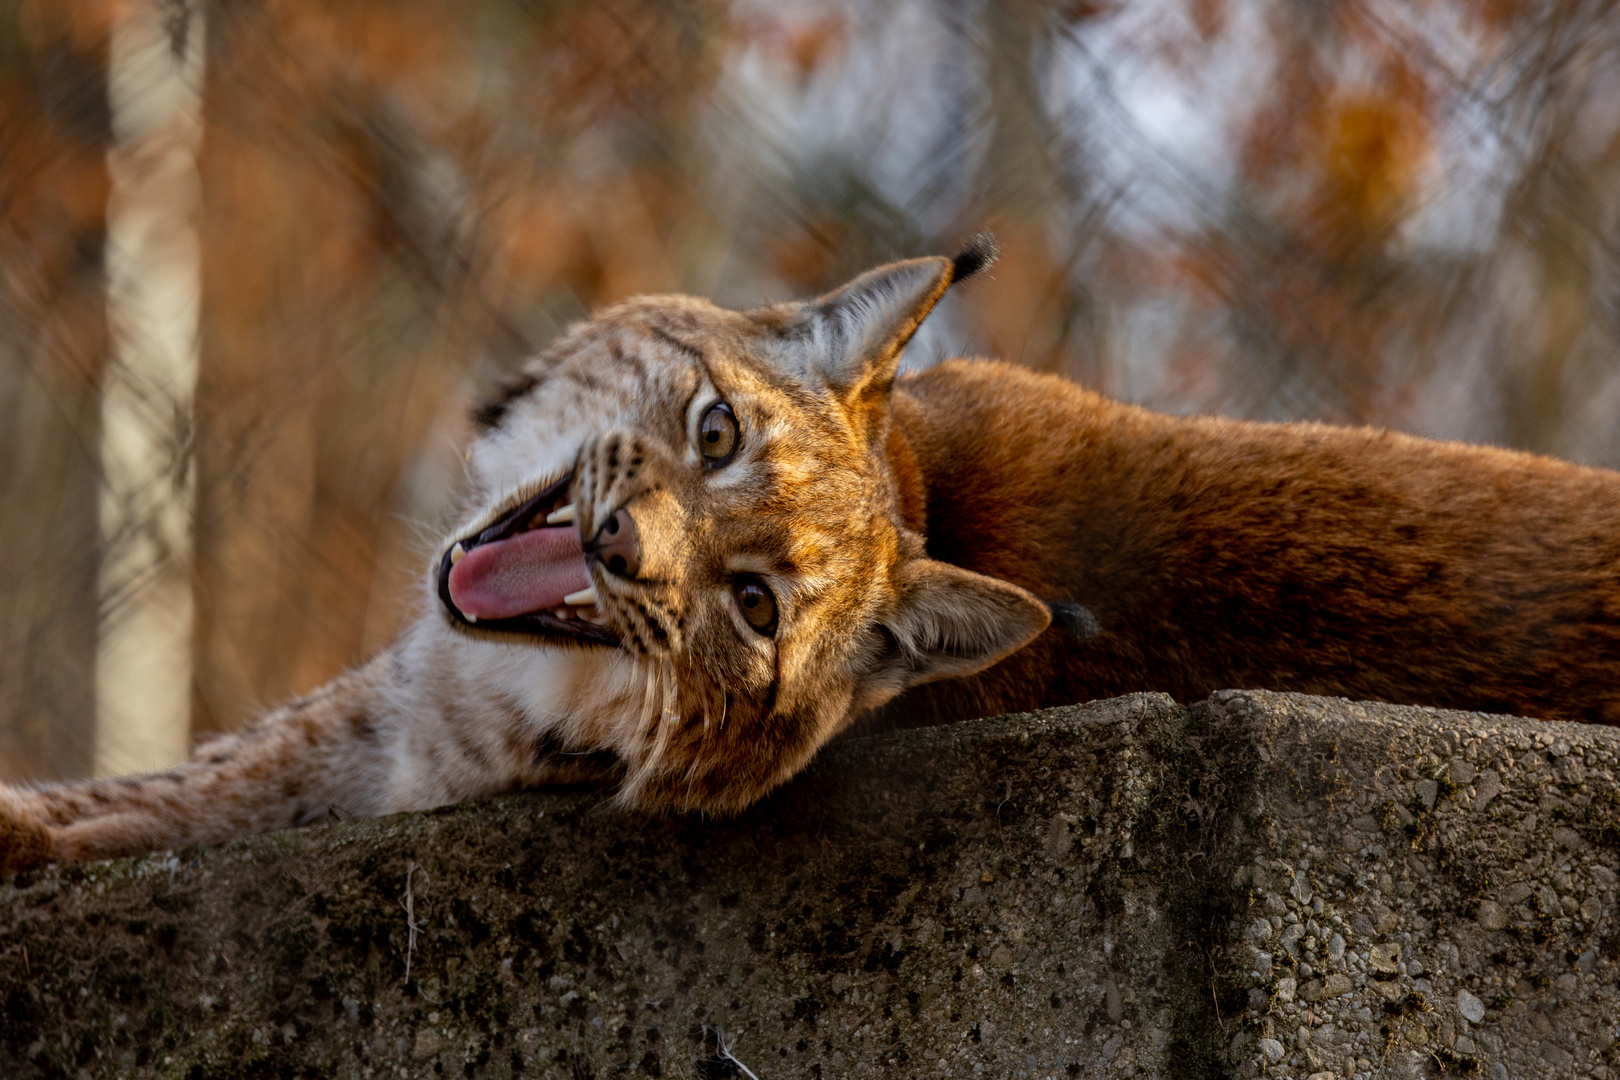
(757,604)
(718,435)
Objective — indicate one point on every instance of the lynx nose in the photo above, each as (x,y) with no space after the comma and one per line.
(616,546)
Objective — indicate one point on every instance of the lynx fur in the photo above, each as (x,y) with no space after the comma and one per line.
(701,543)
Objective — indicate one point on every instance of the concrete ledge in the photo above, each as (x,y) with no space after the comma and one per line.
(1260,884)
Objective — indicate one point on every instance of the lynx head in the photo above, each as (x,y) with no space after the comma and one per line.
(686,538)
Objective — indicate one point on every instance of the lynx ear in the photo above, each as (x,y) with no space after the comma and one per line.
(950,622)
(850,339)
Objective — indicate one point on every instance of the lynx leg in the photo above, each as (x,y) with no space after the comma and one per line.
(319,759)
(370,742)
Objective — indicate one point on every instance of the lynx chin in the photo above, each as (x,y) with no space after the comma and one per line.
(699,543)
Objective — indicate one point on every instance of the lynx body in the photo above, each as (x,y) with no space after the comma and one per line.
(700,543)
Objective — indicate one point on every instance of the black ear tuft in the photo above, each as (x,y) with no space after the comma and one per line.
(980,252)
(1077,619)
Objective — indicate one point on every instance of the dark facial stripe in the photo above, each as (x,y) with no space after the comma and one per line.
(692,351)
(626,359)
(586,380)
(493,411)
(776,683)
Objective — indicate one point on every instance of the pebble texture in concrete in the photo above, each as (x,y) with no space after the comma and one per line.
(1429,893)
(1260,884)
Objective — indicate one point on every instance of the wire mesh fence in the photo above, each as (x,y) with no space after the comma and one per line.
(1396,213)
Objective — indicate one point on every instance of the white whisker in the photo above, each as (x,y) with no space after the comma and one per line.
(670,714)
(651,720)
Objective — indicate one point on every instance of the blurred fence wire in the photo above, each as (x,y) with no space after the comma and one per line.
(1362,211)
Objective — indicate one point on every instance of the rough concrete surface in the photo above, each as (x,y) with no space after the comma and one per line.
(1260,884)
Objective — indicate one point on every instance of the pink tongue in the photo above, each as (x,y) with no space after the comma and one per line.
(532,571)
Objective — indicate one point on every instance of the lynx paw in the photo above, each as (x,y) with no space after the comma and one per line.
(25,841)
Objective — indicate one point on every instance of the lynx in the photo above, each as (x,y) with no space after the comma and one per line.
(700,543)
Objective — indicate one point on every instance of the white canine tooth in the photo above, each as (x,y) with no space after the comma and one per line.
(561,516)
(586,597)
(471,618)
(456,553)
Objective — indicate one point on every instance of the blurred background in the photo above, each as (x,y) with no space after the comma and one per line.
(258,259)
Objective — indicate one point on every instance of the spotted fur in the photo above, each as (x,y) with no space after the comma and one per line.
(918,536)
(695,710)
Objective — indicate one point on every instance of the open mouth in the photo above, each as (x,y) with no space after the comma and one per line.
(526,574)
